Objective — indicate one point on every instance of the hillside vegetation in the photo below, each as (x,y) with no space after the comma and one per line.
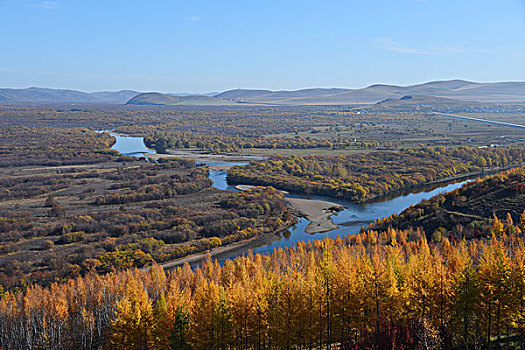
(77,221)
(466,211)
(362,176)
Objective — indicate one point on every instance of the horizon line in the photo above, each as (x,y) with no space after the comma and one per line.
(267,89)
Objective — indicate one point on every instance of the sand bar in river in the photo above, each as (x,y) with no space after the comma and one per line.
(317,212)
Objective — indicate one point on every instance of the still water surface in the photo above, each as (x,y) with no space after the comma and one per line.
(129,145)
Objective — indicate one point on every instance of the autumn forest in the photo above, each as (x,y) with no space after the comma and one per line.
(103,250)
(262,175)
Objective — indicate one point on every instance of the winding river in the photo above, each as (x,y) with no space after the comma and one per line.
(350,220)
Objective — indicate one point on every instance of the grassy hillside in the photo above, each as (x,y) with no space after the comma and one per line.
(421,103)
(451,89)
(43,95)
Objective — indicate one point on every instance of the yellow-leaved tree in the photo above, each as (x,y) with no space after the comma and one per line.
(134,323)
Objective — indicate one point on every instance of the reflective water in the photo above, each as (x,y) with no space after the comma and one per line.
(354,217)
(130,145)
(349,220)
(219,176)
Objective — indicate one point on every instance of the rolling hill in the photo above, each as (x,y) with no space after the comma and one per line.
(268,96)
(155,98)
(416,102)
(239,94)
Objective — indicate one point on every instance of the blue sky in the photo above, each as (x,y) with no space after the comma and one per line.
(200,46)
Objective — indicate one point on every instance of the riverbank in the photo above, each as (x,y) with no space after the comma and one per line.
(317,212)
(229,251)
(200,156)
(315,217)
(248,187)
(439,183)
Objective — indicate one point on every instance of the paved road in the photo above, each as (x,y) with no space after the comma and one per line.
(511,125)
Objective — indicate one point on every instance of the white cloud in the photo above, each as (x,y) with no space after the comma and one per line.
(48,4)
(195,18)
(391,45)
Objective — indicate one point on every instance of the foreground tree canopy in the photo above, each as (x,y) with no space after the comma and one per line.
(385,290)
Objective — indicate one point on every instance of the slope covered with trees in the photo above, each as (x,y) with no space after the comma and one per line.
(467,211)
(387,290)
(360,177)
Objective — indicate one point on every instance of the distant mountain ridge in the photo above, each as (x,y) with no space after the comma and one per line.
(45,95)
(452,89)
(459,90)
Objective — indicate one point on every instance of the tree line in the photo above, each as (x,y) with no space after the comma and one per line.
(218,143)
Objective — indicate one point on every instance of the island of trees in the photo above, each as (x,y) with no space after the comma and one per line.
(362,176)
